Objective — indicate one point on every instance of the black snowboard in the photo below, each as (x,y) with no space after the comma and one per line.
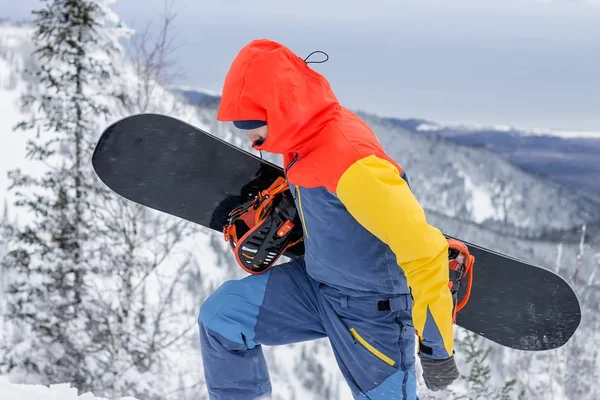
(170,166)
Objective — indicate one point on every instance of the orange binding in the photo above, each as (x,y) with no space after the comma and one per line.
(460,262)
(261,230)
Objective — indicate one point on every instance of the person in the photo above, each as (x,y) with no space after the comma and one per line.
(374,275)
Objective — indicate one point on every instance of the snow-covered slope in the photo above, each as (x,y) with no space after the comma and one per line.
(477,184)
(63,391)
(570,158)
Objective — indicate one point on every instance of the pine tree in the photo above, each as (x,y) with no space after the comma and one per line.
(52,259)
(98,284)
(478,377)
(148,322)
(4,237)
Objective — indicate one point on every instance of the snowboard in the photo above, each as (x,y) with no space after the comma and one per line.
(173,167)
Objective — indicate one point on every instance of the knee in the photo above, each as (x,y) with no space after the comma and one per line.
(215,304)
(232,310)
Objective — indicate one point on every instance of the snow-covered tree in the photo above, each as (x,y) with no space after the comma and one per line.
(477,375)
(150,317)
(53,256)
(4,236)
(96,287)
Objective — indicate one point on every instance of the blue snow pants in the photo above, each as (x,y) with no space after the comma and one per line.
(372,337)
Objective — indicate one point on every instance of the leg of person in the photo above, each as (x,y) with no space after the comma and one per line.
(277,307)
(373,340)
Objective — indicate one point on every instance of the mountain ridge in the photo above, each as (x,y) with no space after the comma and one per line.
(569,158)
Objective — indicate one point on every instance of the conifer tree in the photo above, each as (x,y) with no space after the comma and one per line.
(95,294)
(477,374)
(52,257)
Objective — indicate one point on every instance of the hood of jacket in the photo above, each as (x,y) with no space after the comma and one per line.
(268,82)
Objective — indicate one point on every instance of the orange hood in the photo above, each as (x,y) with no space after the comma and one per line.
(268,82)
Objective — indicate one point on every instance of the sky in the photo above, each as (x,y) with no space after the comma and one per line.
(525,63)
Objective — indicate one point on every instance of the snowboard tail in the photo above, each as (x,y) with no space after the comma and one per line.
(173,167)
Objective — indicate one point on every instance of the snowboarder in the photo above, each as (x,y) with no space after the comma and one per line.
(374,277)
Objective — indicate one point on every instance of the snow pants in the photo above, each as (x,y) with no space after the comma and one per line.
(372,337)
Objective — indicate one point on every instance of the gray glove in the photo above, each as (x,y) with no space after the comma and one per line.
(438,374)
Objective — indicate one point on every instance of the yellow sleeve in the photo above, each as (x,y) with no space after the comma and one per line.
(374,193)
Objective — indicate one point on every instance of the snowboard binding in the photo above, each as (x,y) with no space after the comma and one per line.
(460,262)
(262,229)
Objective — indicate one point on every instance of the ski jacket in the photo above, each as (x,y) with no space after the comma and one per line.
(364,231)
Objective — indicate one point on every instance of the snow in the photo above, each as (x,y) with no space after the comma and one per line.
(481,206)
(63,391)
(12,151)
(428,127)
(565,134)
(503,128)
(562,134)
(185,88)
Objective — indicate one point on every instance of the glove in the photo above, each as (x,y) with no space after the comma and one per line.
(438,374)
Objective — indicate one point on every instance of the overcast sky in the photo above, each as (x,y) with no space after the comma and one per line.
(526,63)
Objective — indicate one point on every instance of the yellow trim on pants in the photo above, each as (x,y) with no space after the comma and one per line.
(372,349)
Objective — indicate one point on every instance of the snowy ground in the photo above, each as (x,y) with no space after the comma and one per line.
(11,391)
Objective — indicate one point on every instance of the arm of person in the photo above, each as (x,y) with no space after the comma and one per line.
(376,195)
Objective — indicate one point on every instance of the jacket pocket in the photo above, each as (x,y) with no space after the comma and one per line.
(372,349)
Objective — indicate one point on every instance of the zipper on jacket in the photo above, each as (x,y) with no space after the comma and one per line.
(285,171)
(301,211)
(290,164)
(402,357)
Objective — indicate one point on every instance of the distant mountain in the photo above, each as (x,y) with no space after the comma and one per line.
(479,185)
(571,158)
(198,97)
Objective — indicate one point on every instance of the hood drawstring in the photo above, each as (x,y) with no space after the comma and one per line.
(316,62)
